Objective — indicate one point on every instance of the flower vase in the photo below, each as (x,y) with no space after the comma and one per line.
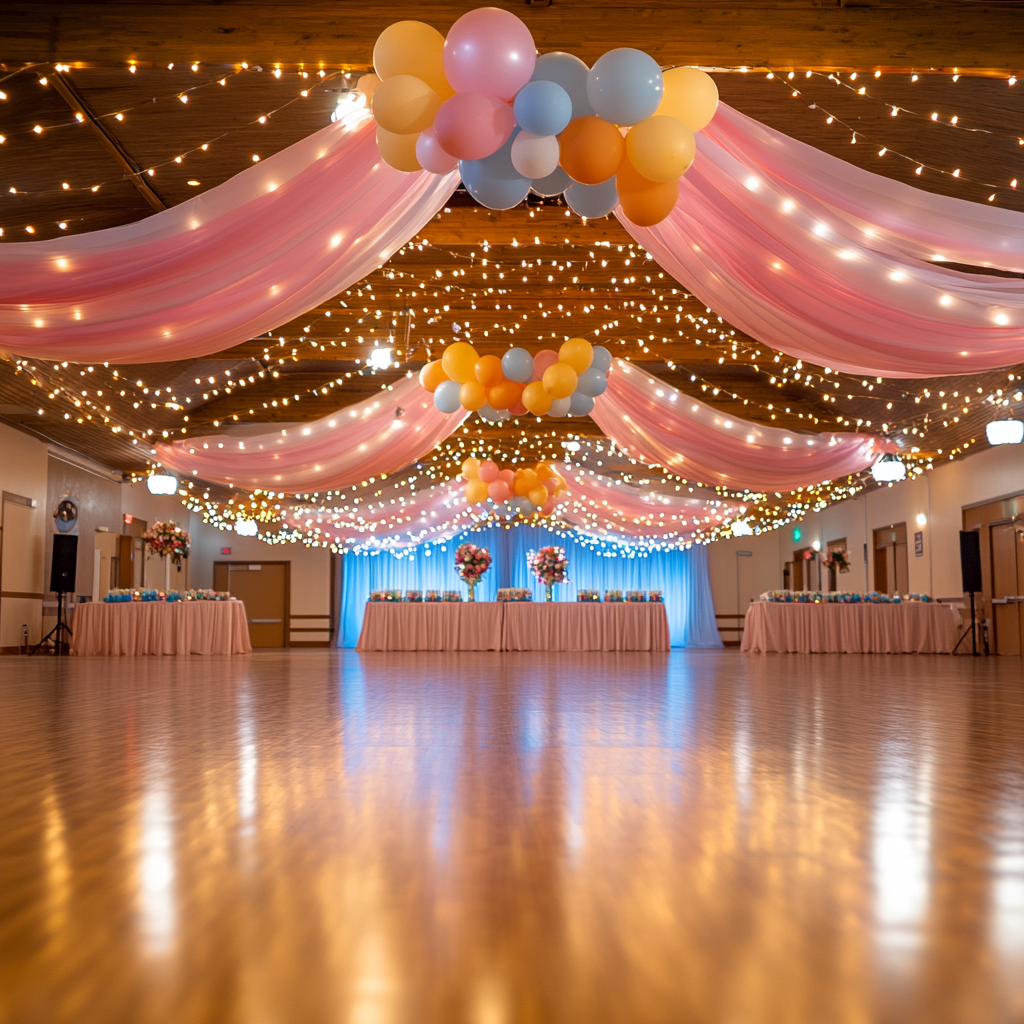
(548,594)
(167,573)
(472,590)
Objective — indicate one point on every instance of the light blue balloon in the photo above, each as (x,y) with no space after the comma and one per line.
(625,86)
(553,185)
(580,404)
(517,365)
(592,382)
(592,201)
(542,108)
(446,396)
(602,359)
(570,73)
(494,182)
(485,412)
(559,407)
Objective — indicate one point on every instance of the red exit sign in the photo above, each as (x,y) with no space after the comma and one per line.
(225,551)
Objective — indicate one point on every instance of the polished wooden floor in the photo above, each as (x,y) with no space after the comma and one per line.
(318,837)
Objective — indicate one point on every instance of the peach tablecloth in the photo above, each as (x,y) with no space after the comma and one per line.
(429,626)
(582,626)
(909,628)
(156,627)
(513,626)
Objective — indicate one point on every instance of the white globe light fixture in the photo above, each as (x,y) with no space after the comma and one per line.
(1005,432)
(380,358)
(246,527)
(741,528)
(888,469)
(162,483)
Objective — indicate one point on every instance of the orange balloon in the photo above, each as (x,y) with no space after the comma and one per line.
(544,472)
(412,48)
(476,491)
(398,151)
(488,371)
(539,496)
(472,395)
(560,380)
(590,149)
(404,105)
(526,480)
(471,469)
(689,95)
(536,399)
(367,85)
(459,360)
(504,395)
(660,148)
(643,201)
(431,375)
(578,353)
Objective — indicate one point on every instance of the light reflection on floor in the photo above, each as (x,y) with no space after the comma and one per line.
(512,839)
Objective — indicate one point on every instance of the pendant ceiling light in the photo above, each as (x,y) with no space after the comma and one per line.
(162,483)
(888,469)
(1005,432)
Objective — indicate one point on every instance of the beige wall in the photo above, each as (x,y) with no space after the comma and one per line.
(940,494)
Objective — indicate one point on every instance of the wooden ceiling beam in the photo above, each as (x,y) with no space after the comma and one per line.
(756,34)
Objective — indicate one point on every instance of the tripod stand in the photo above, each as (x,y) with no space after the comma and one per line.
(60,635)
(972,629)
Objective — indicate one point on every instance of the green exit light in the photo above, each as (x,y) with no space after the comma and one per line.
(796,533)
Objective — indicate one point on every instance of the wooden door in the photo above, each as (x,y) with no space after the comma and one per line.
(801,571)
(263,587)
(1006,544)
(892,566)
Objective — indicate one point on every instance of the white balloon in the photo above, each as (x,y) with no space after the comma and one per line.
(535,156)
(560,407)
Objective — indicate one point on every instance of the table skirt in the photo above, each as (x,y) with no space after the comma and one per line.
(429,626)
(158,627)
(513,626)
(582,626)
(907,628)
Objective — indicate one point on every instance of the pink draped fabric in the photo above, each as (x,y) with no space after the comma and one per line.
(426,626)
(580,626)
(156,627)
(654,422)
(908,628)
(829,263)
(239,260)
(379,435)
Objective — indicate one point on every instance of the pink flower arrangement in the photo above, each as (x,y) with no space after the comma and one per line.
(471,562)
(549,565)
(168,539)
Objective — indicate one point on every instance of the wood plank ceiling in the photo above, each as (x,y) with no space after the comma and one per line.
(561,278)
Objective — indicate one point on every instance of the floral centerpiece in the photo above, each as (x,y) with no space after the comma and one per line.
(386,596)
(636,596)
(415,596)
(451,595)
(432,596)
(657,597)
(471,562)
(550,566)
(613,596)
(838,560)
(170,540)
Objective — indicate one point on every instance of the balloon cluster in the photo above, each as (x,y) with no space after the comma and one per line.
(483,101)
(562,383)
(526,490)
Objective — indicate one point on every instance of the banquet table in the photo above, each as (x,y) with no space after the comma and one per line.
(911,627)
(160,627)
(513,626)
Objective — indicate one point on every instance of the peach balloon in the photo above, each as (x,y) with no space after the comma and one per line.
(488,371)
(578,353)
(590,149)
(412,48)
(542,360)
(548,507)
(690,96)
(404,104)
(526,480)
(459,361)
(508,476)
(560,380)
(536,399)
(471,469)
(398,151)
(539,495)
(476,491)
(661,148)
(367,85)
(472,395)
(498,491)
(544,471)
(488,471)
(643,201)
(431,375)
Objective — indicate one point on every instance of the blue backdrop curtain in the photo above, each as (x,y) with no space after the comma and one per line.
(681,576)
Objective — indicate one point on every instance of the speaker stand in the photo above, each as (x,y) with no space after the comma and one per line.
(59,636)
(973,631)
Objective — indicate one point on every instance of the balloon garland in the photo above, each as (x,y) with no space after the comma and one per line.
(527,490)
(481,100)
(562,383)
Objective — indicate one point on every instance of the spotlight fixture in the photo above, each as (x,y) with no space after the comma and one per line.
(245,527)
(161,483)
(888,469)
(1005,432)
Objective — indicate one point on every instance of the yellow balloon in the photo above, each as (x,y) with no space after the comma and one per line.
(536,399)
(476,491)
(661,148)
(398,151)
(412,48)
(431,375)
(539,496)
(472,395)
(471,469)
(526,481)
(578,353)
(459,360)
(367,85)
(559,380)
(404,105)
(690,96)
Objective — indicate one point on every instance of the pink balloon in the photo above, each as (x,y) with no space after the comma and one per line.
(490,51)
(498,491)
(488,471)
(430,154)
(470,125)
(542,360)
(550,485)
(549,507)
(508,476)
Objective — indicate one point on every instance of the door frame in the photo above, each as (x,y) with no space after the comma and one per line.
(287,588)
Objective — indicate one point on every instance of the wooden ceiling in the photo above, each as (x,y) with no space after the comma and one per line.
(315,364)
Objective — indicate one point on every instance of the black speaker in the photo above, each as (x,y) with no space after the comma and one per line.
(970,561)
(64,563)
